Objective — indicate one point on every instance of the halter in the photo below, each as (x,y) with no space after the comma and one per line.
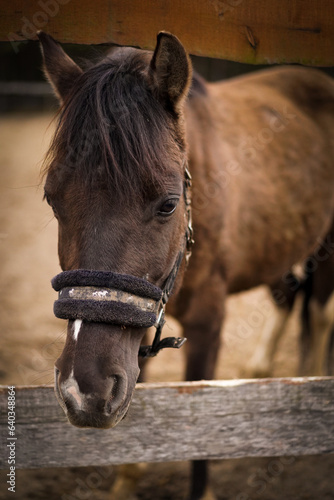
(121,299)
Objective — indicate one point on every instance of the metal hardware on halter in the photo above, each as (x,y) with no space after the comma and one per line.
(187,198)
(148,351)
(175,342)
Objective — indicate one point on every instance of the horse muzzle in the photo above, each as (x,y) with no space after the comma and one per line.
(111,308)
(102,411)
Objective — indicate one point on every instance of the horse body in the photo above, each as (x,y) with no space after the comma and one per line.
(260,152)
(265,174)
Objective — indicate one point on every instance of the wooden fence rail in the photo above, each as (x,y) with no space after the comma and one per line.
(252,31)
(178,421)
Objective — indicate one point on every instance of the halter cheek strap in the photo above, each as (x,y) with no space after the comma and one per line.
(121,299)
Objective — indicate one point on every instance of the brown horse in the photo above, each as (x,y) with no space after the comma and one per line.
(260,151)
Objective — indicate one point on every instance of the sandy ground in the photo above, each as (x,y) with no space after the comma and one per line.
(31,339)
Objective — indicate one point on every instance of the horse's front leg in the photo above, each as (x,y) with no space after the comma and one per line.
(202,325)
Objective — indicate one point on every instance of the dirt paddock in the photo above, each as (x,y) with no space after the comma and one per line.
(31,339)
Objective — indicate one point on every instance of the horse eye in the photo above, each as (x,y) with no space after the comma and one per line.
(49,202)
(47,199)
(168,206)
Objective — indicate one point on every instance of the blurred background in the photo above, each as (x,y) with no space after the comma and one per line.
(23,87)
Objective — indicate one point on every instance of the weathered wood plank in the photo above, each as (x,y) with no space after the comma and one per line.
(252,31)
(180,421)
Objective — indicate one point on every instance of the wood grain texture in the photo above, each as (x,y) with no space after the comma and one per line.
(252,31)
(179,421)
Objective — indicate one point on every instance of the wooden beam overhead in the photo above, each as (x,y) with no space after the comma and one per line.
(250,31)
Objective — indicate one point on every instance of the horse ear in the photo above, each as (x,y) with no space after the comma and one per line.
(59,68)
(170,70)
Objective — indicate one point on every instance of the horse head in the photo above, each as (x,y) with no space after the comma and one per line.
(115,180)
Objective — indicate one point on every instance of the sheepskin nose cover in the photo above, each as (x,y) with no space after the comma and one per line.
(108,297)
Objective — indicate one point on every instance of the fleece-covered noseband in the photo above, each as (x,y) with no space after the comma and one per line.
(121,299)
(106,297)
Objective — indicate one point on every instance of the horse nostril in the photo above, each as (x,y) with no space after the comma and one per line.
(113,395)
(117,390)
(114,387)
(56,373)
(58,392)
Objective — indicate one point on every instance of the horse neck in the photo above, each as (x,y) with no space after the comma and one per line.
(207,153)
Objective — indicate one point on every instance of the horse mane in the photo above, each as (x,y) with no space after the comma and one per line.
(111,129)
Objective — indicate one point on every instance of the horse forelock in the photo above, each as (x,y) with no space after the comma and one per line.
(112,129)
